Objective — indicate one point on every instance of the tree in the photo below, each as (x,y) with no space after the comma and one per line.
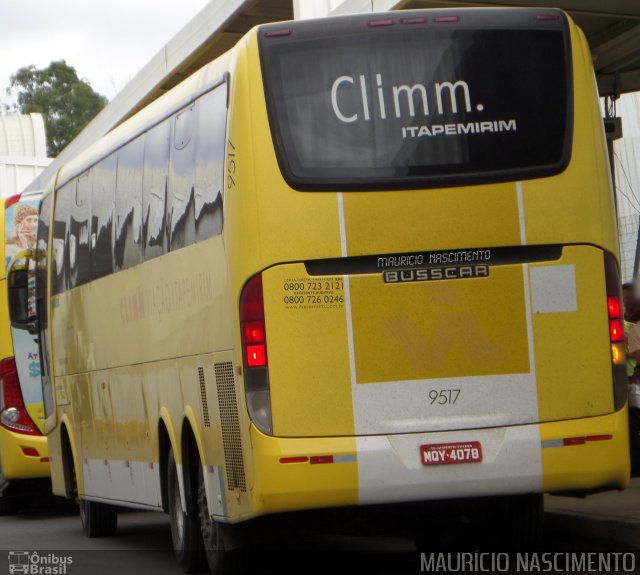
(67,103)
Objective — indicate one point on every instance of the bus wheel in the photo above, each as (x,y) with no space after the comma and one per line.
(10,505)
(520,521)
(185,527)
(221,561)
(98,519)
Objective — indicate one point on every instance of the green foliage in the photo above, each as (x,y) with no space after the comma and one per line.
(67,103)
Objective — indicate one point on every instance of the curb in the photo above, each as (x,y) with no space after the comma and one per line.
(605,529)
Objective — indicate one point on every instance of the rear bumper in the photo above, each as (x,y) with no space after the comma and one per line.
(577,455)
(14,464)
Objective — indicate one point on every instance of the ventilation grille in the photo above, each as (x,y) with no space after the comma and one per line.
(203,395)
(231,441)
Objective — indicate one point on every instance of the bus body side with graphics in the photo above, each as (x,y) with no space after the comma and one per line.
(301,280)
(24,455)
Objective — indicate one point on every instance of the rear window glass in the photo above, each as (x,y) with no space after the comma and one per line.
(418,105)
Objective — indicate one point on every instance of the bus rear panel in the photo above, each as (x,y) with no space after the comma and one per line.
(436,323)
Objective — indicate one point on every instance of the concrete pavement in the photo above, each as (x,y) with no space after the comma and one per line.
(613,516)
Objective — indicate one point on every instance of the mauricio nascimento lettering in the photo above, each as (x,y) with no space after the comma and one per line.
(444,257)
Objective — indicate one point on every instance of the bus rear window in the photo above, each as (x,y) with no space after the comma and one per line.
(418,107)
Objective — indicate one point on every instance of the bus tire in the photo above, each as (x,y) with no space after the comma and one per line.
(10,505)
(185,527)
(221,561)
(98,519)
(521,521)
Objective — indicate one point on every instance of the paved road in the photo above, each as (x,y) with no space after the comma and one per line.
(143,545)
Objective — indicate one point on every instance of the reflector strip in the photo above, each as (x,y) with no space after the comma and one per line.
(294,459)
(321,459)
(570,441)
(547,17)
(30,451)
(352,458)
(348,458)
(599,437)
(441,19)
(413,20)
(574,440)
(45,459)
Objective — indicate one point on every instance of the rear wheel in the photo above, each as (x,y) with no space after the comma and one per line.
(185,527)
(519,522)
(221,561)
(98,519)
(10,505)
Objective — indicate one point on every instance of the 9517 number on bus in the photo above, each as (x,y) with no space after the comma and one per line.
(448,453)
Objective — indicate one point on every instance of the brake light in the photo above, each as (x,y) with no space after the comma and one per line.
(614,307)
(13,413)
(616,331)
(254,354)
(11,200)
(253,327)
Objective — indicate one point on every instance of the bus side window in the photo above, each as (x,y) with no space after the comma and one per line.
(210,144)
(79,246)
(127,244)
(61,237)
(154,189)
(180,214)
(104,183)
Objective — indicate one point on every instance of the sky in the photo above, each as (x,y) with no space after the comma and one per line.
(106,41)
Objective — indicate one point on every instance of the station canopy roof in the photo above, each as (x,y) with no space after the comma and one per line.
(612,28)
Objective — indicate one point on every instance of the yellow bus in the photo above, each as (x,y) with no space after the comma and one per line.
(361,261)
(24,455)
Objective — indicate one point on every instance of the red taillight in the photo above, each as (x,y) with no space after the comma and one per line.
(11,200)
(254,334)
(616,325)
(615,307)
(256,355)
(616,330)
(13,413)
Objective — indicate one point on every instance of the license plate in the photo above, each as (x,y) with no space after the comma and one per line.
(446,453)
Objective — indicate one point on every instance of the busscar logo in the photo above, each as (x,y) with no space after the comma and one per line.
(34,563)
(434,274)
